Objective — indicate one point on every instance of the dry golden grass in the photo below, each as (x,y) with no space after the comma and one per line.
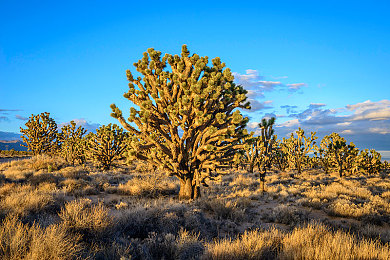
(311,242)
(82,216)
(25,199)
(150,186)
(20,241)
(152,223)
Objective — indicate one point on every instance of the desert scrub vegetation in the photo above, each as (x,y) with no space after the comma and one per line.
(23,241)
(185,180)
(133,211)
(313,241)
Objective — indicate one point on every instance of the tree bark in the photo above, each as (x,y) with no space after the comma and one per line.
(188,189)
(263,172)
(251,166)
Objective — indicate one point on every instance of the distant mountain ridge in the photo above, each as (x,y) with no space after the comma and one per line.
(9,136)
(13,144)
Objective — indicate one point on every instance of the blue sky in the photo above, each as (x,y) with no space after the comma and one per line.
(322,66)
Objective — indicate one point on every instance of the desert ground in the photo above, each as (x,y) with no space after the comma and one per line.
(52,210)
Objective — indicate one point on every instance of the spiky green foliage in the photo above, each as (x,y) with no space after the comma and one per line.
(323,155)
(343,155)
(72,143)
(369,161)
(279,157)
(107,145)
(40,135)
(251,144)
(185,118)
(298,147)
(265,146)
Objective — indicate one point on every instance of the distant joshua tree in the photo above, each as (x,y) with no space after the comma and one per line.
(72,143)
(266,145)
(298,147)
(107,145)
(343,155)
(41,134)
(185,119)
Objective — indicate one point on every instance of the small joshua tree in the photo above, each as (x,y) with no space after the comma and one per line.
(279,157)
(251,144)
(370,161)
(343,155)
(72,143)
(40,135)
(322,153)
(185,119)
(107,145)
(265,146)
(298,147)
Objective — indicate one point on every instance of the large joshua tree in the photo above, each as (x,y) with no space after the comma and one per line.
(185,118)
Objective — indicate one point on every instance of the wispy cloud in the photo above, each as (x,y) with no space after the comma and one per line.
(21,117)
(367,124)
(257,85)
(90,127)
(295,86)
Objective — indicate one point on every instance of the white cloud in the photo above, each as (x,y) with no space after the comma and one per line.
(371,110)
(379,130)
(295,86)
(90,127)
(343,124)
(347,131)
(367,124)
(289,123)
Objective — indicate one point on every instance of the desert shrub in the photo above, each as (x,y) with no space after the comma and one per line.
(315,241)
(20,241)
(289,215)
(231,209)
(83,217)
(183,246)
(162,217)
(149,186)
(74,172)
(78,187)
(250,245)
(244,181)
(25,199)
(46,163)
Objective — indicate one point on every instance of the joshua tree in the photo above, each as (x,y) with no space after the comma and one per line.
(322,153)
(40,134)
(343,155)
(370,161)
(107,145)
(185,118)
(265,146)
(251,144)
(72,143)
(297,147)
(279,157)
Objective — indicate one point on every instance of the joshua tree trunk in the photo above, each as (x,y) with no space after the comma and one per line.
(189,189)
(299,167)
(262,179)
(251,167)
(341,171)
